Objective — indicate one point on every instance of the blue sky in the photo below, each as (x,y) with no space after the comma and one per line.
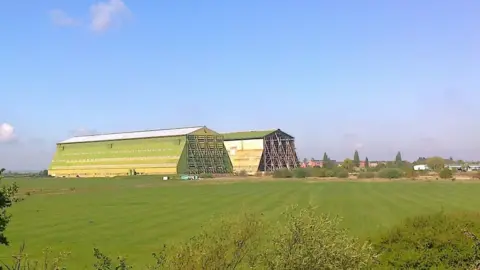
(377,76)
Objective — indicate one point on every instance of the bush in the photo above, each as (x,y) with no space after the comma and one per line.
(7,198)
(445,173)
(365,175)
(206,175)
(282,173)
(311,241)
(300,173)
(436,241)
(229,244)
(317,172)
(329,173)
(341,173)
(21,261)
(390,173)
(304,240)
(410,172)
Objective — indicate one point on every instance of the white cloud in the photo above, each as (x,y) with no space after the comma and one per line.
(7,133)
(106,14)
(60,18)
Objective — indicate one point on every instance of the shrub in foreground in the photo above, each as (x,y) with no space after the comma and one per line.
(228,245)
(365,175)
(329,173)
(341,173)
(439,241)
(301,240)
(390,173)
(304,240)
(300,173)
(21,261)
(311,241)
(409,172)
(318,172)
(282,173)
(7,198)
(445,173)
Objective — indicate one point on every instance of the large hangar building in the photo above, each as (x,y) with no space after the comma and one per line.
(190,150)
(261,151)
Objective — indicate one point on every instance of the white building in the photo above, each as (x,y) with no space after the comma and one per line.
(473,167)
(420,167)
(454,167)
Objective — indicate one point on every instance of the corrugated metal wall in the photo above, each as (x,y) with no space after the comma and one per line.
(111,158)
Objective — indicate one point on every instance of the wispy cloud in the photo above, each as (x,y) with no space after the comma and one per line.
(104,15)
(61,18)
(7,133)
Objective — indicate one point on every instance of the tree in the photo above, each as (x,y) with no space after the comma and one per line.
(464,166)
(348,164)
(446,173)
(380,166)
(312,241)
(356,159)
(43,173)
(435,163)
(398,158)
(366,162)
(326,161)
(450,160)
(420,160)
(7,194)
(305,161)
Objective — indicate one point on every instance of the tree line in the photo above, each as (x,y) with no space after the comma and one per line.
(435,163)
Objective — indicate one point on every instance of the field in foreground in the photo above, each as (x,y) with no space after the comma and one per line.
(135,216)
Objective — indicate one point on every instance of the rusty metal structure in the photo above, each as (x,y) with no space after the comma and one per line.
(279,152)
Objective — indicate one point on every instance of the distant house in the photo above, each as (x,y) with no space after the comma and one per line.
(315,163)
(372,164)
(319,163)
(454,167)
(473,167)
(420,167)
(312,163)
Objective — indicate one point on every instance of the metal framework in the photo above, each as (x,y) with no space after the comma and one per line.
(278,152)
(206,154)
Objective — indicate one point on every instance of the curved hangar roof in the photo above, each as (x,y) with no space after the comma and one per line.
(250,135)
(133,135)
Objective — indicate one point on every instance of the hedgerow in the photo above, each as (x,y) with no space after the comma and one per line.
(438,241)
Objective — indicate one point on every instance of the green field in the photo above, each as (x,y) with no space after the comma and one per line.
(135,216)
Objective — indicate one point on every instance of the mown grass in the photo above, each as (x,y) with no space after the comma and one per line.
(135,216)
